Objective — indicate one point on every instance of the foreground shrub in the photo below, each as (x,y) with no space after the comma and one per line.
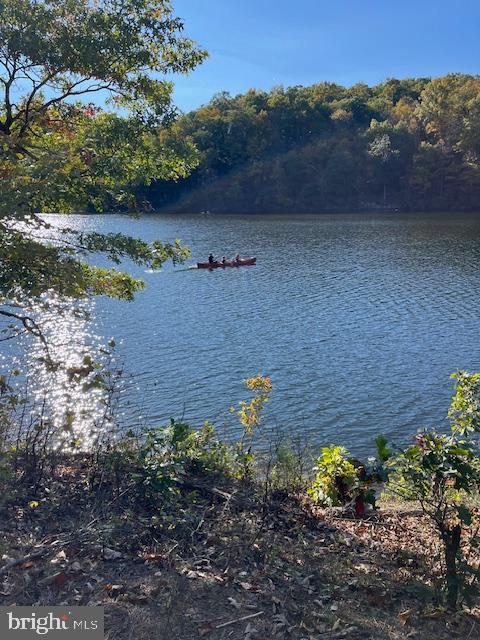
(286,469)
(249,414)
(464,411)
(335,477)
(167,455)
(440,472)
(342,480)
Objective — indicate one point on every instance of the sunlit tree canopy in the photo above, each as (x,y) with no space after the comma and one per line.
(85,117)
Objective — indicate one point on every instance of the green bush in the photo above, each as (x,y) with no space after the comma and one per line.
(341,479)
(286,471)
(464,411)
(335,477)
(440,472)
(166,455)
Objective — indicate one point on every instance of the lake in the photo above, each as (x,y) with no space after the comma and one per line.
(358,319)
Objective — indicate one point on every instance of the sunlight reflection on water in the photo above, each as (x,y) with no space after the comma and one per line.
(56,395)
(71,341)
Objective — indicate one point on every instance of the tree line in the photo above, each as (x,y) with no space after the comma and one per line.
(409,144)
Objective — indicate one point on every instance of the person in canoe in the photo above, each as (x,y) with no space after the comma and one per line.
(237,258)
(224,260)
(211,259)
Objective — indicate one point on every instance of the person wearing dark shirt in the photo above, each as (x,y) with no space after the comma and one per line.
(211,259)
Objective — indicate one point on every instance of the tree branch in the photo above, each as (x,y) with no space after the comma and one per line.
(31,326)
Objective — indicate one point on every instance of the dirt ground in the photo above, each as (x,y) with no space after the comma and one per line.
(224,562)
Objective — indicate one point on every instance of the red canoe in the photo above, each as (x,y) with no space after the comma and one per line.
(243,262)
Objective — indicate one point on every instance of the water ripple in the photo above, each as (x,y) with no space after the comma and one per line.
(359,319)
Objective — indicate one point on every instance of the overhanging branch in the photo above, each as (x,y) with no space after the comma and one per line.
(31,326)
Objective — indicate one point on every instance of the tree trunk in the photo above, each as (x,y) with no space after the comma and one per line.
(451,540)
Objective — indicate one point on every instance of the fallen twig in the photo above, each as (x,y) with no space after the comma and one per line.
(30,556)
(364,521)
(471,630)
(188,484)
(249,617)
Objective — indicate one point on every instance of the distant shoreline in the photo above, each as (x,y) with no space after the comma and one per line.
(170,212)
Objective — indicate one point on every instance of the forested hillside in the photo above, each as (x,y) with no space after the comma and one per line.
(409,144)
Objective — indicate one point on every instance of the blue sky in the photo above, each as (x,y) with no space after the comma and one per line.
(263,43)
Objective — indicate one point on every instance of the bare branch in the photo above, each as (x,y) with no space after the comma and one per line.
(31,326)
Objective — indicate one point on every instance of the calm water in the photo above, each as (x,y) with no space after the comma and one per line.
(358,319)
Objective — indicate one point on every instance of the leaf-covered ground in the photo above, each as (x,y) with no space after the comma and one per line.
(225,561)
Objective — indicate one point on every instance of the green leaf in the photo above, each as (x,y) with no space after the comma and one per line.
(383,452)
